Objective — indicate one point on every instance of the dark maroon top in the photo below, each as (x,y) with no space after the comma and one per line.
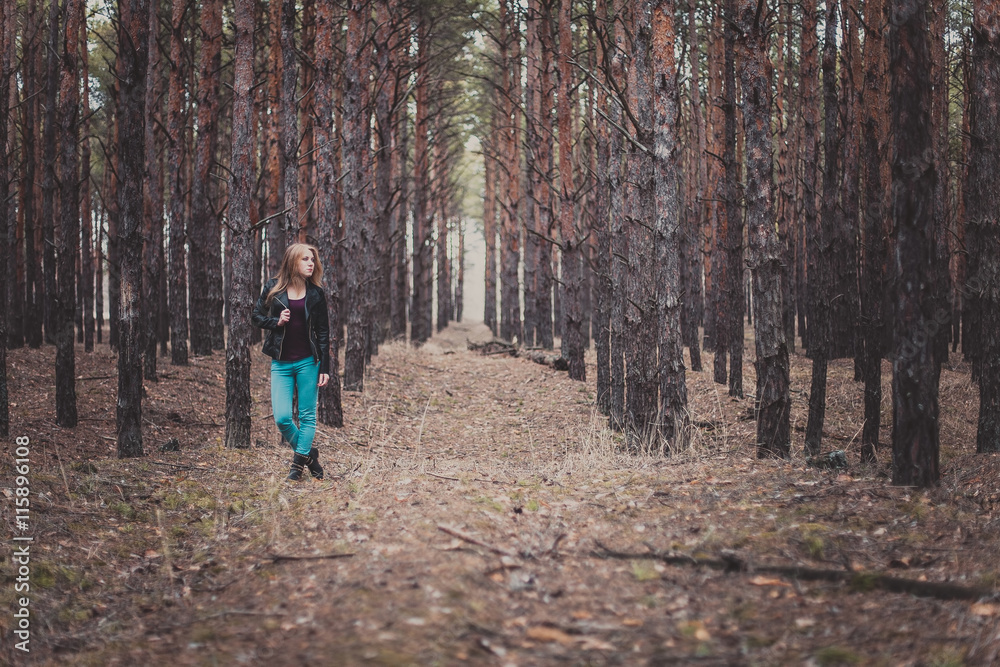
(295,345)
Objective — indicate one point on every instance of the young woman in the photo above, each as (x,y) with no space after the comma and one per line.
(292,308)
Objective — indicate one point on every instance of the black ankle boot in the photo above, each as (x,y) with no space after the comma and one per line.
(315,469)
(299,461)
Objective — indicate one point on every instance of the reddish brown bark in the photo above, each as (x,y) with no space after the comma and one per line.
(177,158)
(153,200)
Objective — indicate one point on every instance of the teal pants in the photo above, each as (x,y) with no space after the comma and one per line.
(286,377)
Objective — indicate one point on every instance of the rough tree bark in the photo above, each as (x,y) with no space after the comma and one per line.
(240,185)
(358,206)
(641,378)
(7,18)
(602,264)
(544,279)
(983,202)
(49,177)
(694,303)
(572,341)
(87,230)
(822,263)
(178,231)
(490,226)
(420,317)
(153,201)
(875,176)
(205,267)
(133,52)
(69,209)
(915,371)
(289,126)
(619,248)
(731,315)
(773,404)
(329,409)
(672,414)
(510,151)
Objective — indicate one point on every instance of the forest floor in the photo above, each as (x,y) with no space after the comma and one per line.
(477,511)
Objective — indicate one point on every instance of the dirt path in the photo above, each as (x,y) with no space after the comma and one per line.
(461,523)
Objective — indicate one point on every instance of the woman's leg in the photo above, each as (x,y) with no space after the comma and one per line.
(282,385)
(306,377)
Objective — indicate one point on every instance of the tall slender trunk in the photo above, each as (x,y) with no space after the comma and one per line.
(133,53)
(915,371)
(289,125)
(822,262)
(942,211)
(533,110)
(809,150)
(850,86)
(29,120)
(420,317)
(358,211)
(694,303)
(399,289)
(572,240)
(490,227)
(153,201)
(205,266)
(86,209)
(875,176)
(385,157)
(641,378)
(672,414)
(718,231)
(69,210)
(7,22)
(765,253)
(272,178)
(49,306)
(242,175)
(510,221)
(544,280)
(177,155)
(603,259)
(731,316)
(11,222)
(983,201)
(619,250)
(329,409)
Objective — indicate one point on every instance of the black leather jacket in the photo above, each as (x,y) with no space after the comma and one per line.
(317,321)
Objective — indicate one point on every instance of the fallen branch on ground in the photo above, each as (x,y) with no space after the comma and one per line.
(454,532)
(858,580)
(275,558)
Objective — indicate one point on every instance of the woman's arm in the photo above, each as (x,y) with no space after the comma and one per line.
(321,325)
(261,316)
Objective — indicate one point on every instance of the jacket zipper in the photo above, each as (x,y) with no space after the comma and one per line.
(282,345)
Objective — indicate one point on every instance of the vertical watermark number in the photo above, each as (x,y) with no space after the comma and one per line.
(21,558)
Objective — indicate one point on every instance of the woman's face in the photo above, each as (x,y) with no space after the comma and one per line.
(306,266)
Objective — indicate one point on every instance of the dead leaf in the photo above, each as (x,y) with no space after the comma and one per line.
(544,633)
(985,609)
(582,615)
(805,622)
(768,581)
(632,622)
(594,644)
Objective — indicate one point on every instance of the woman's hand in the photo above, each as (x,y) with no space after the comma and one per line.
(285,316)
(323,379)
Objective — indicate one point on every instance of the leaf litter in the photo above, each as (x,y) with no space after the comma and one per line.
(462,521)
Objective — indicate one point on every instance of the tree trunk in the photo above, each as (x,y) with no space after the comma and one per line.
(86,209)
(544,328)
(533,174)
(510,221)
(641,378)
(205,267)
(29,136)
(850,86)
(717,278)
(49,305)
(400,293)
(773,404)
(242,176)
(731,316)
(69,209)
(694,302)
(271,178)
(619,248)
(821,237)
(133,52)
(490,227)
(603,259)
(672,415)
(329,408)
(11,222)
(915,371)
(983,201)
(572,240)
(420,317)
(358,211)
(385,129)
(178,232)
(289,126)
(875,176)
(809,150)
(153,201)
(7,22)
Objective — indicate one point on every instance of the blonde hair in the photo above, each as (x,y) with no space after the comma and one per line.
(287,269)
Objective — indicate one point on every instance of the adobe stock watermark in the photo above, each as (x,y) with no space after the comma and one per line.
(21,556)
